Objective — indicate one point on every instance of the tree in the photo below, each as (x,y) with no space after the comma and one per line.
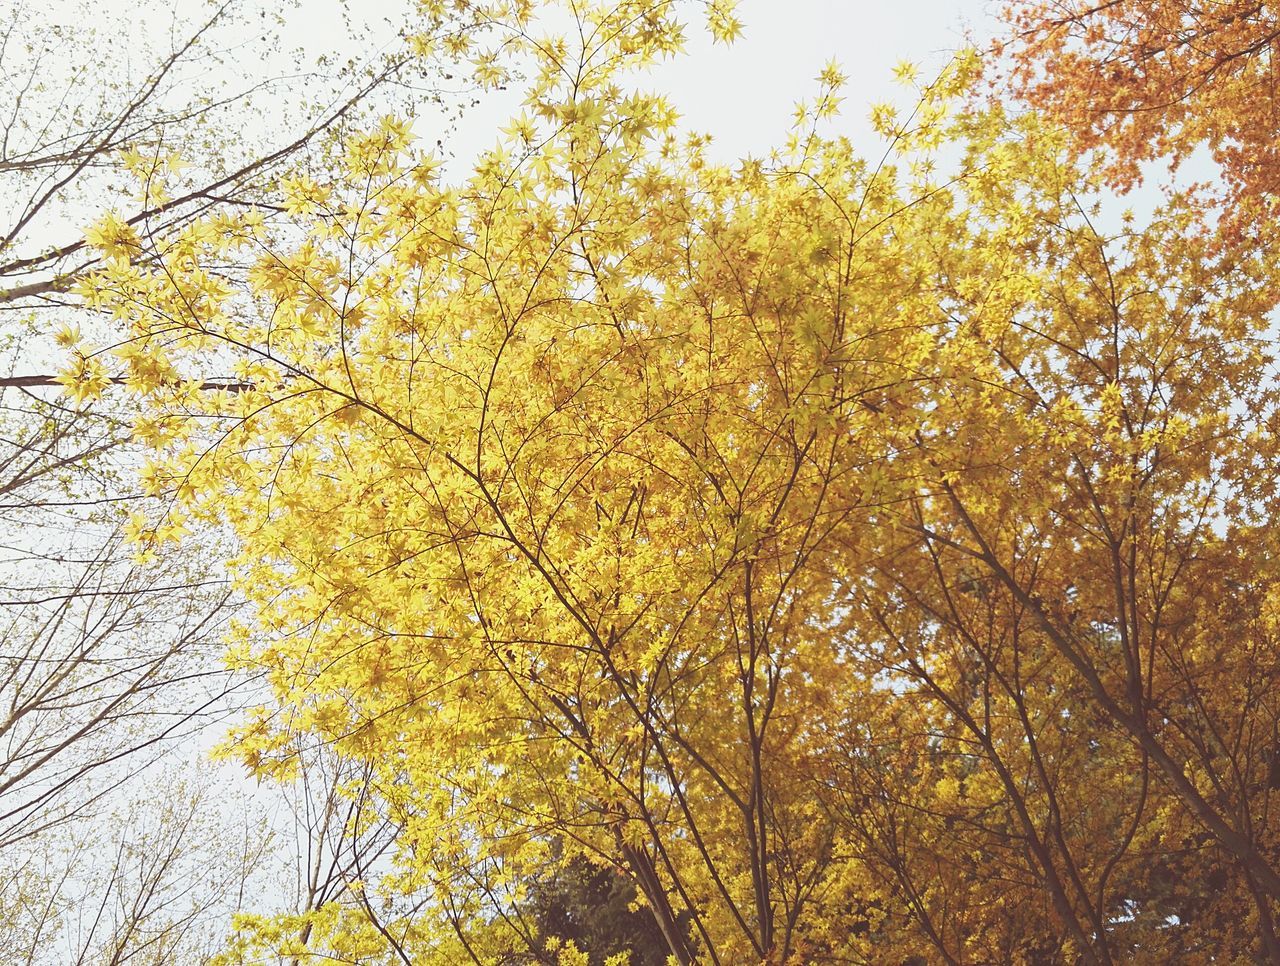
(1154,80)
(110,659)
(652,682)
(1089,550)
(873,566)
(154,885)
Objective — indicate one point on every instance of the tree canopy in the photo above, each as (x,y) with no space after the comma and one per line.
(839,556)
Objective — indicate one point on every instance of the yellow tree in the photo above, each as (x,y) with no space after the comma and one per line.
(826,548)
(575,437)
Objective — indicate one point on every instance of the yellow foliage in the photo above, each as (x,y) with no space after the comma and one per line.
(839,554)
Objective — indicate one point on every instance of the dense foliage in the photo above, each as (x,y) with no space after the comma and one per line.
(862,560)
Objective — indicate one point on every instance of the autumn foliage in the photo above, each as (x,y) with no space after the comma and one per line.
(866,560)
(1154,79)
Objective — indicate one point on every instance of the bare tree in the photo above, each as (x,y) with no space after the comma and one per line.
(157,885)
